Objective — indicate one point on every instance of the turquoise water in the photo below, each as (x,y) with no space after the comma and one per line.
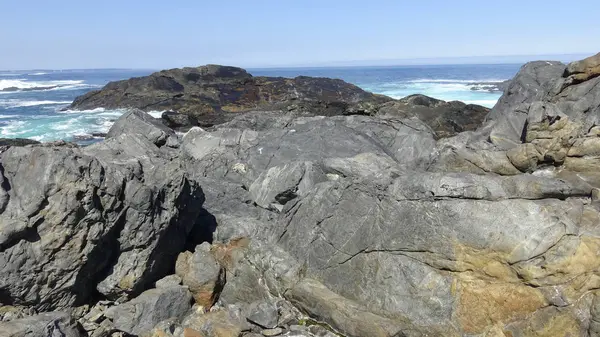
(31,101)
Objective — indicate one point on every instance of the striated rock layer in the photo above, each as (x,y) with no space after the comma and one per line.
(275,223)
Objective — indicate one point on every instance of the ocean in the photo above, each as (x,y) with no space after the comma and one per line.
(32,102)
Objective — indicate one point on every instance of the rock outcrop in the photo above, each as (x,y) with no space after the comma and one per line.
(353,225)
(43,325)
(110,218)
(445,118)
(17,141)
(211,95)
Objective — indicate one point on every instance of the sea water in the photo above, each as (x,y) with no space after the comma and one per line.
(32,102)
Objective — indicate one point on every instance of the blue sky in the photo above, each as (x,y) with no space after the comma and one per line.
(256,33)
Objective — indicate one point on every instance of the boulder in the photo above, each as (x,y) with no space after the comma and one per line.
(264,314)
(202,273)
(384,244)
(43,325)
(10,312)
(140,123)
(583,70)
(143,313)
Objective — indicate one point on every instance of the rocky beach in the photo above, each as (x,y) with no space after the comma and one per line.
(304,207)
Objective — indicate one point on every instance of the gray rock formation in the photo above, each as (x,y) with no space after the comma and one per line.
(323,225)
(17,141)
(101,218)
(210,95)
(213,94)
(144,125)
(153,306)
(43,325)
(263,314)
(445,118)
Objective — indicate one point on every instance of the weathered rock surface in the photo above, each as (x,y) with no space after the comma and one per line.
(445,118)
(43,325)
(379,225)
(110,217)
(202,274)
(140,123)
(153,306)
(17,141)
(212,93)
(263,314)
(581,71)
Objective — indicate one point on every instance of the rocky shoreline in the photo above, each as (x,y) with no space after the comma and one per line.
(308,207)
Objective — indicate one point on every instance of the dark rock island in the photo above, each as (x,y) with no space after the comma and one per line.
(213,94)
(287,217)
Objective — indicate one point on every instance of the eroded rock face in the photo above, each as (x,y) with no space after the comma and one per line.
(43,325)
(153,306)
(581,71)
(103,218)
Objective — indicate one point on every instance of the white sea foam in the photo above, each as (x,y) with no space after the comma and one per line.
(15,103)
(91,111)
(485,102)
(38,74)
(156,113)
(23,84)
(60,126)
(442,80)
(13,129)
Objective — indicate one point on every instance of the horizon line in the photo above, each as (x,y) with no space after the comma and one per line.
(353,63)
